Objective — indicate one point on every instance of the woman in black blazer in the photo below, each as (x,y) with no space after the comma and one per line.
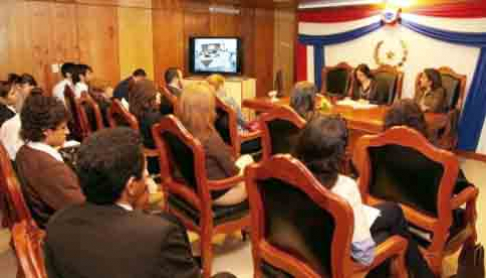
(365,86)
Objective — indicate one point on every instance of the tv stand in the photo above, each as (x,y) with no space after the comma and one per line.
(238,87)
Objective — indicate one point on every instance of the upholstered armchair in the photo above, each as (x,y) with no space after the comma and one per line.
(336,80)
(280,130)
(183,173)
(402,166)
(301,229)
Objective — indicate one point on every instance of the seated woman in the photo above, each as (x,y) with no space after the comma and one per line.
(197,113)
(430,95)
(303,99)
(47,182)
(144,102)
(364,86)
(321,148)
(8,99)
(406,112)
(216,81)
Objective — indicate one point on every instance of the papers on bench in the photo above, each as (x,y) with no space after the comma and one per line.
(356,104)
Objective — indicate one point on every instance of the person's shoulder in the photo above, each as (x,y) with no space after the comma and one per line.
(345,183)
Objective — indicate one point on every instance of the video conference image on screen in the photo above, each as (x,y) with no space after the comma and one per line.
(216,55)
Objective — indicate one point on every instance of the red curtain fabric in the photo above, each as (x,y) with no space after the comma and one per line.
(338,14)
(471,9)
(301,64)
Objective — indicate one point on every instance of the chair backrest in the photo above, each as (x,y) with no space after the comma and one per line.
(389,82)
(280,130)
(226,125)
(454,85)
(27,239)
(118,115)
(14,206)
(91,115)
(311,237)
(169,101)
(402,166)
(336,79)
(182,160)
(76,125)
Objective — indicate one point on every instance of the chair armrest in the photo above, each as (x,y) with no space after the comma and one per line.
(225,183)
(464,197)
(248,136)
(150,152)
(395,245)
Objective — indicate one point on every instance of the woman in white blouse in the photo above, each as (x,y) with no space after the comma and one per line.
(321,148)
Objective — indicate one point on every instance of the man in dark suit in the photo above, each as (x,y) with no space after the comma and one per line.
(121,90)
(107,236)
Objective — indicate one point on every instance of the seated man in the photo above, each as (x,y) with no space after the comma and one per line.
(107,236)
(173,80)
(121,90)
(47,182)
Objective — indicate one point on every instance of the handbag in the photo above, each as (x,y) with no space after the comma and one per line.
(471,262)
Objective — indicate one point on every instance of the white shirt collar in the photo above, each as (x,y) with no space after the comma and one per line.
(11,108)
(126,207)
(47,149)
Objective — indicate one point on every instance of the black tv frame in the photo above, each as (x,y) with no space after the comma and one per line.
(239,58)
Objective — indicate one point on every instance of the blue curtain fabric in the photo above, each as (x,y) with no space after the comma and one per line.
(319,43)
(474,110)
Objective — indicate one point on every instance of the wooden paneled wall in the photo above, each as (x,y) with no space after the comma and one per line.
(117,36)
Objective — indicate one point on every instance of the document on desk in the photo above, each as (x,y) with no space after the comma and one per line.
(356,104)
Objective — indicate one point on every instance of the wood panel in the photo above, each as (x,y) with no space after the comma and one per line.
(5,11)
(263,61)
(135,41)
(196,23)
(169,46)
(224,25)
(98,40)
(285,34)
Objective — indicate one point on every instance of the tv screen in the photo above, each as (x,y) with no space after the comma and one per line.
(215,55)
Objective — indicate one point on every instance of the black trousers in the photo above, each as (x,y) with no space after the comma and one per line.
(392,222)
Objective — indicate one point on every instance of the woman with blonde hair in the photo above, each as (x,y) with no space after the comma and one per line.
(197,112)
(216,81)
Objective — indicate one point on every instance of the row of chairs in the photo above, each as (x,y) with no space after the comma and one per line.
(189,198)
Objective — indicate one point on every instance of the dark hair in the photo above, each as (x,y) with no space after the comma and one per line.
(37,91)
(68,68)
(25,78)
(434,76)
(13,78)
(170,74)
(40,113)
(142,96)
(139,72)
(5,88)
(365,70)
(406,112)
(106,161)
(303,99)
(322,146)
(81,69)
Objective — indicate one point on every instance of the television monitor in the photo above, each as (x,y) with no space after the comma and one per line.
(215,55)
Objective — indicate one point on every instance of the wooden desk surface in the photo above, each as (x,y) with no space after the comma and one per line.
(364,120)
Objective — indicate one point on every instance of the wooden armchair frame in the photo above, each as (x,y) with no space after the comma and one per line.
(77,126)
(117,111)
(87,100)
(27,239)
(235,137)
(279,113)
(291,171)
(446,202)
(199,199)
(341,66)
